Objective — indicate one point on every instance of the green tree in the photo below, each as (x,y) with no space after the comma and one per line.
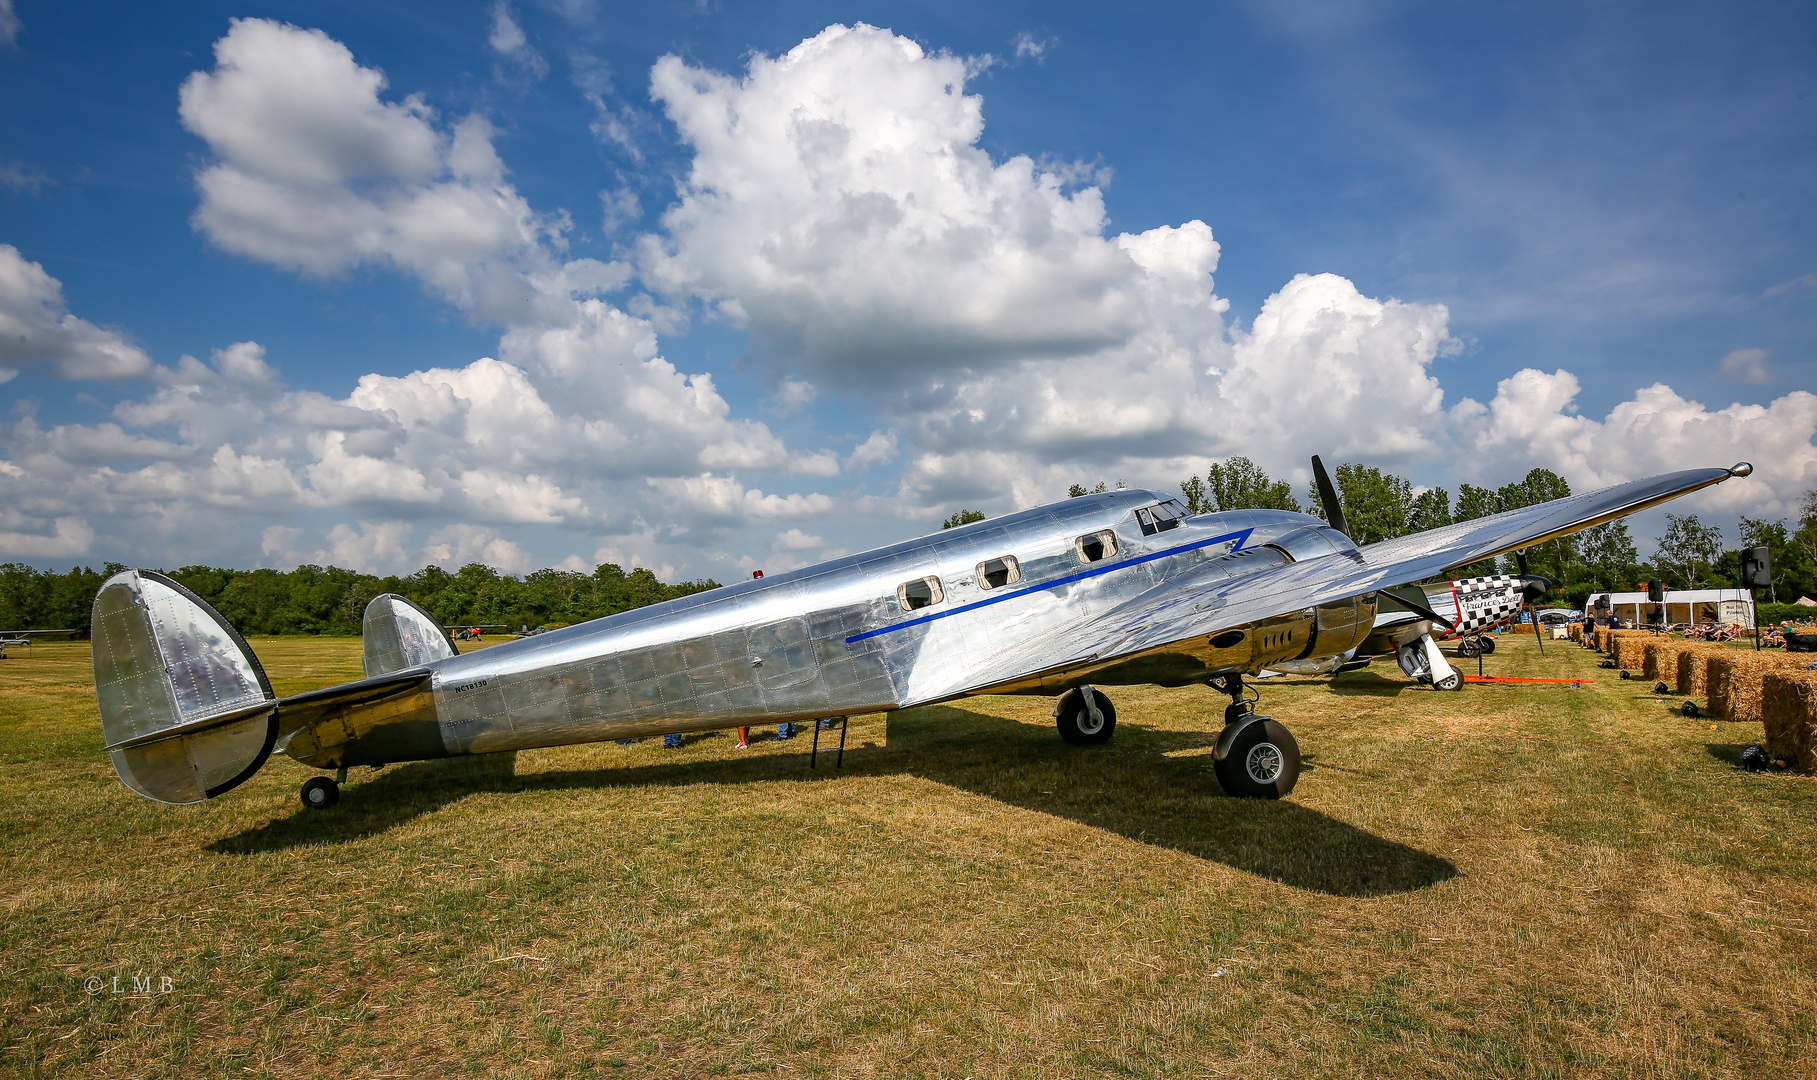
(964,517)
(1431,510)
(1237,484)
(1611,562)
(1687,550)
(1377,505)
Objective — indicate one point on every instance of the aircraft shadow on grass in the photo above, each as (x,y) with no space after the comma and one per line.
(1138,787)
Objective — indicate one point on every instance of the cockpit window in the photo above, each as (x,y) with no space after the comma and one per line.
(996,573)
(1159,517)
(919,593)
(1096,547)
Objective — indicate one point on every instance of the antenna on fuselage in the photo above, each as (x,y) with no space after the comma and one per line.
(1328,497)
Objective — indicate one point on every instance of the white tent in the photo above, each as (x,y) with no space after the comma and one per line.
(1681,606)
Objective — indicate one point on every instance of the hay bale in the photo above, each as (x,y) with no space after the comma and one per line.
(1735,680)
(1577,631)
(1788,706)
(1659,658)
(1692,673)
(1630,648)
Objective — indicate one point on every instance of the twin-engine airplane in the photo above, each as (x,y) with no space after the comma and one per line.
(1113,589)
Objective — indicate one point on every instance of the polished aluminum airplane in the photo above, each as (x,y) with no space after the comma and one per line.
(1118,588)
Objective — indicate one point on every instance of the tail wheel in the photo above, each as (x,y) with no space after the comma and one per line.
(1073,716)
(1263,762)
(319,793)
(1468,648)
(1487,644)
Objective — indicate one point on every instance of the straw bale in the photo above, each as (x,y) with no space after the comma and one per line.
(1660,657)
(1788,705)
(1577,631)
(1735,678)
(1630,646)
(1693,667)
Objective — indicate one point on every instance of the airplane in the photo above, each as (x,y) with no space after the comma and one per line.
(1411,619)
(1119,588)
(9,638)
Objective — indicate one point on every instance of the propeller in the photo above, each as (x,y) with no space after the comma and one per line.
(1328,497)
(1531,589)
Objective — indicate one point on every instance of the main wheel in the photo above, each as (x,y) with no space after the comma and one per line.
(1453,681)
(1487,644)
(319,793)
(1076,723)
(1263,763)
(1468,648)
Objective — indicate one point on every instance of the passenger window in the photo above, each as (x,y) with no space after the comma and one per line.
(1096,547)
(996,573)
(919,593)
(1157,518)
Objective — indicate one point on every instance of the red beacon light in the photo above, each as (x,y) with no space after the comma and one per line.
(756,573)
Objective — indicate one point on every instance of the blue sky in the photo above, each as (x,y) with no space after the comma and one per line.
(1575,236)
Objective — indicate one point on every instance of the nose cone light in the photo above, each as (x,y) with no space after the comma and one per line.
(1741,468)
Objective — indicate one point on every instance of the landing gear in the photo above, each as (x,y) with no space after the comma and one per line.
(1423,662)
(319,793)
(1256,758)
(1085,717)
(1469,649)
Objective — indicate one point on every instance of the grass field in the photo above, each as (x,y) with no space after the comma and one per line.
(1532,881)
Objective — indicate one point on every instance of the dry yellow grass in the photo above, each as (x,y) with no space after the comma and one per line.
(1503,881)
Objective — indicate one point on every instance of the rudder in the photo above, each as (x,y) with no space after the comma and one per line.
(397,634)
(186,710)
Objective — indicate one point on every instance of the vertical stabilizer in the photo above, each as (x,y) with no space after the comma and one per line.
(186,710)
(397,634)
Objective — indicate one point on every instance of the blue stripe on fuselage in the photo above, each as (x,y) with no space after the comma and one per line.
(1240,537)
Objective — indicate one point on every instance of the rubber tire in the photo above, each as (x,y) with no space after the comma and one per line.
(1488,645)
(1234,778)
(320,792)
(1073,719)
(1468,648)
(1453,681)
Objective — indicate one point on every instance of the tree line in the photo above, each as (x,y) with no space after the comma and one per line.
(330,600)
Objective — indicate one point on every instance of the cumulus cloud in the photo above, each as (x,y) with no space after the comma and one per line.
(36,328)
(1532,418)
(316,172)
(838,207)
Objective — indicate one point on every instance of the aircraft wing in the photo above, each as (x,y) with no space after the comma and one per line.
(1206,601)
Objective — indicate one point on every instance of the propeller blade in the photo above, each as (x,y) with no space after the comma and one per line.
(1328,497)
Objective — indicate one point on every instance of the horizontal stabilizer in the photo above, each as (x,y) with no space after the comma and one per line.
(398,635)
(186,710)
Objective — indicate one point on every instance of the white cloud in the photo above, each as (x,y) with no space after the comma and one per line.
(508,40)
(839,207)
(1532,420)
(458,545)
(36,327)
(1746,365)
(1027,45)
(9,24)
(70,537)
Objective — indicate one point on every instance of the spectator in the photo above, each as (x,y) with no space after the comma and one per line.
(744,738)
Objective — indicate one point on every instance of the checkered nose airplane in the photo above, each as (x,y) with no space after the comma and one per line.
(1115,589)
